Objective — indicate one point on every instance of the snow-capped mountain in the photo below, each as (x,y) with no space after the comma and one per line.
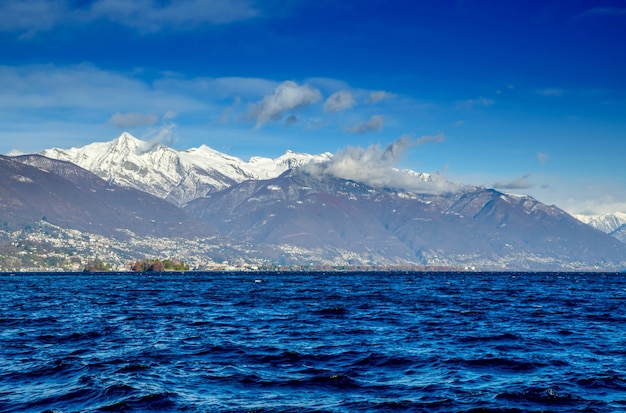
(176,176)
(351,208)
(613,224)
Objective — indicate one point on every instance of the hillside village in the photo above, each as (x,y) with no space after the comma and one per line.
(49,248)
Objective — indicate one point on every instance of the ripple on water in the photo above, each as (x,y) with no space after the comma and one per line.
(303,343)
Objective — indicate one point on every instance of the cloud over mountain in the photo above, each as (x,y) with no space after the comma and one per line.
(376,167)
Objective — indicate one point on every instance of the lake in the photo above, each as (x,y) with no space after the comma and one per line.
(313,342)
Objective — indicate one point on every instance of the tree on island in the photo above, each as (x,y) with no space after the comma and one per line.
(156,265)
(96,266)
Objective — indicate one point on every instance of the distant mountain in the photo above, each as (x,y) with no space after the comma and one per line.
(176,176)
(472,227)
(34,188)
(613,224)
(350,208)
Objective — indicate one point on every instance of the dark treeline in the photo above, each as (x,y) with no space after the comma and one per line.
(156,265)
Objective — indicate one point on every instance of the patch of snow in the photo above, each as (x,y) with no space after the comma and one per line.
(24,179)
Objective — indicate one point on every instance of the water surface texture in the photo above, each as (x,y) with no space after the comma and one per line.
(438,342)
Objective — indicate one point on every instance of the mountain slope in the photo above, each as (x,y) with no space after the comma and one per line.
(293,210)
(475,226)
(176,176)
(33,187)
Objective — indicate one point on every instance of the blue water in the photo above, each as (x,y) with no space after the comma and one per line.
(436,342)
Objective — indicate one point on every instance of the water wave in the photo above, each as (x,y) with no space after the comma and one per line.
(313,343)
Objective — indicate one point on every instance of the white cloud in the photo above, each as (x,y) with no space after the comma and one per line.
(339,101)
(375,123)
(378,95)
(376,167)
(542,157)
(132,119)
(286,97)
(144,15)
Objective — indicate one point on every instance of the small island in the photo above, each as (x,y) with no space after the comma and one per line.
(156,265)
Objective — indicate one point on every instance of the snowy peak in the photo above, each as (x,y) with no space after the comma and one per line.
(292,160)
(177,176)
(128,143)
(266,168)
(607,223)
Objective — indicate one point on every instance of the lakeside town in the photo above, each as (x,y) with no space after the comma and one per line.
(47,247)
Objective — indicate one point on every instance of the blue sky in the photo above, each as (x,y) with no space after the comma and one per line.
(525,96)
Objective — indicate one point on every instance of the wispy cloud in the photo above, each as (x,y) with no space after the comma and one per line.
(286,97)
(472,103)
(132,119)
(605,11)
(542,157)
(395,150)
(30,17)
(377,167)
(85,87)
(164,135)
(217,88)
(508,87)
(378,95)
(36,16)
(517,183)
(339,101)
(552,91)
(327,85)
(425,139)
(374,124)
(226,113)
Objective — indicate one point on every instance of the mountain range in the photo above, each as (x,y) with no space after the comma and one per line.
(176,176)
(295,209)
